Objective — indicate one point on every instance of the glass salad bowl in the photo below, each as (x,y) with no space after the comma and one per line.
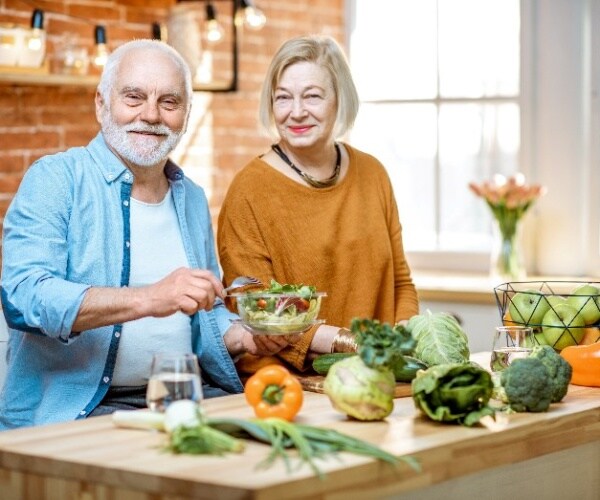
(288,310)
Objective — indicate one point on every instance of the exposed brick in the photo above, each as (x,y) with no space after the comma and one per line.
(97,12)
(4,203)
(122,33)
(67,97)
(146,15)
(80,29)
(13,118)
(25,6)
(9,183)
(144,3)
(79,136)
(11,163)
(34,139)
(68,117)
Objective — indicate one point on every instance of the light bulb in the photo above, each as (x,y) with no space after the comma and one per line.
(250,16)
(254,18)
(34,41)
(213,32)
(101,55)
(34,38)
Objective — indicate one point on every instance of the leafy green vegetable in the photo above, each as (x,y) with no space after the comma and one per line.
(439,337)
(380,344)
(453,392)
(304,291)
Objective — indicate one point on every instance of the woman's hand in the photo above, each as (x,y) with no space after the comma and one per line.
(240,341)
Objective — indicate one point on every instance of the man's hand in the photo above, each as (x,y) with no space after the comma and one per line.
(186,290)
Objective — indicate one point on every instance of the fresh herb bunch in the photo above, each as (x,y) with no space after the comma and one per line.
(380,344)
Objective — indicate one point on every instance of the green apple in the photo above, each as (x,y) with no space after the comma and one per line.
(562,326)
(540,338)
(527,307)
(554,300)
(586,301)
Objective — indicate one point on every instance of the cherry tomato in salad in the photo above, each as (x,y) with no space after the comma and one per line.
(261,304)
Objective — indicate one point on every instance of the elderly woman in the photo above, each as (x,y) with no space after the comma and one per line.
(315,210)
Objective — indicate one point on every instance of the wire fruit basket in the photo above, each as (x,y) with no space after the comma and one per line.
(561,313)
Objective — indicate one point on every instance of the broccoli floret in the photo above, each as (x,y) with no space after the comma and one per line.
(527,384)
(558,367)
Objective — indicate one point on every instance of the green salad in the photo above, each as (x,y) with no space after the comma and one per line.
(280,309)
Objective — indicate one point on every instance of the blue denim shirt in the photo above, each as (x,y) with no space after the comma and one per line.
(66,230)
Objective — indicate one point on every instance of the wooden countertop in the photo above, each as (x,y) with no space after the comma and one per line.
(94,454)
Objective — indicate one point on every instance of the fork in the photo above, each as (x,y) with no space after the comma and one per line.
(240,282)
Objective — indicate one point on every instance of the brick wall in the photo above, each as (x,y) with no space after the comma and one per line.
(223,133)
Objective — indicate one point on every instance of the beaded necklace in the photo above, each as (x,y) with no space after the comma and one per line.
(308,178)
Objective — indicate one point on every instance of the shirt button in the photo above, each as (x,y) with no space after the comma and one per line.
(126,203)
(111,176)
(127,244)
(117,334)
(127,176)
(82,412)
(106,380)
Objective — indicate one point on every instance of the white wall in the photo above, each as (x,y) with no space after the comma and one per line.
(560,129)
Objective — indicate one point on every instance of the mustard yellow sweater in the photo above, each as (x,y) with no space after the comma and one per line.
(345,239)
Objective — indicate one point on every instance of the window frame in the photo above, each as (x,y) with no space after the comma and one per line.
(571,30)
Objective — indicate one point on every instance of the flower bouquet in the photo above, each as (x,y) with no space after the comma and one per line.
(508,199)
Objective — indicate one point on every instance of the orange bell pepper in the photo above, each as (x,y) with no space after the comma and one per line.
(585,360)
(274,392)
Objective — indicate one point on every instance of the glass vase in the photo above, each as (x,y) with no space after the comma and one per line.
(507,261)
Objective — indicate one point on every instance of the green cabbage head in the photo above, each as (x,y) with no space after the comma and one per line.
(359,391)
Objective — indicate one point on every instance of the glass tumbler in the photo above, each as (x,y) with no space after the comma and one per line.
(173,377)
(510,343)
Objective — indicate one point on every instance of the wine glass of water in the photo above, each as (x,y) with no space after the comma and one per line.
(510,343)
(173,377)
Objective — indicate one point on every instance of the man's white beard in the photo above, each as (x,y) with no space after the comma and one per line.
(143,152)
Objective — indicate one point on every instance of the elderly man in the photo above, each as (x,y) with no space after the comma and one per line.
(108,258)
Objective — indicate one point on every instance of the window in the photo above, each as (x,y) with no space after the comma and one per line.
(439,83)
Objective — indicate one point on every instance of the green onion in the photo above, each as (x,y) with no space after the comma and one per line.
(311,442)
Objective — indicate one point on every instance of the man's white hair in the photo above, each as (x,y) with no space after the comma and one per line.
(109,74)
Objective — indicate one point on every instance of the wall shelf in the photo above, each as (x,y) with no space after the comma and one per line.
(47,79)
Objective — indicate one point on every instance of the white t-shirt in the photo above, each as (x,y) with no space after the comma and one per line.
(156,250)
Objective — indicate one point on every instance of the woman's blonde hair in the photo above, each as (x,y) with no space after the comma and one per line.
(321,50)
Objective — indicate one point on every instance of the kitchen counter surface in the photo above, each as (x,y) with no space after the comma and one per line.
(93,459)
(468,287)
